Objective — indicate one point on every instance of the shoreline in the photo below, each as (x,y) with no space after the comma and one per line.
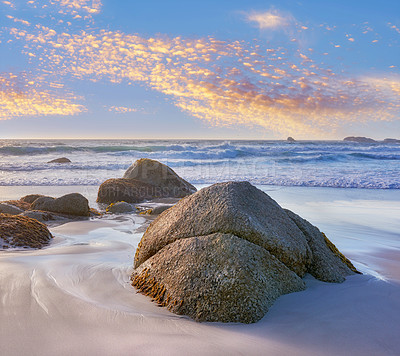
(75,295)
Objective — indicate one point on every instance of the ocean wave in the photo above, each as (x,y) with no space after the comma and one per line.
(314,164)
(61,167)
(337,182)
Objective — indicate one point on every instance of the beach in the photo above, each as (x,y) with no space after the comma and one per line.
(199,178)
(75,297)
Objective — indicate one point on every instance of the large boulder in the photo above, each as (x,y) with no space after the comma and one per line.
(146,179)
(21,231)
(218,277)
(70,204)
(197,256)
(128,190)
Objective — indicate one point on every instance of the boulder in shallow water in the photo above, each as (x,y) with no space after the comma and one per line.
(9,209)
(60,160)
(290,139)
(70,204)
(21,231)
(146,179)
(120,207)
(198,256)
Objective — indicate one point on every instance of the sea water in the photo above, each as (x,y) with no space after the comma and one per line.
(304,163)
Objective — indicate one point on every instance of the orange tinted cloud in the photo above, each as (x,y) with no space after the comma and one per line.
(21,96)
(219,82)
(270,20)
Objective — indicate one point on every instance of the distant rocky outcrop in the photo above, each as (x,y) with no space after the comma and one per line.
(70,204)
(23,232)
(290,139)
(391,140)
(146,179)
(60,160)
(227,252)
(359,139)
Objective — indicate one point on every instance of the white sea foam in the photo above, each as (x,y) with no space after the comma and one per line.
(311,164)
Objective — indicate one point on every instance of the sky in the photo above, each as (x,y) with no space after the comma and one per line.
(311,69)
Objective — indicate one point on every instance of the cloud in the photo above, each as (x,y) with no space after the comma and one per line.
(222,83)
(120,109)
(270,20)
(22,96)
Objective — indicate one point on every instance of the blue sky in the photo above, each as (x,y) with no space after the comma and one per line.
(210,69)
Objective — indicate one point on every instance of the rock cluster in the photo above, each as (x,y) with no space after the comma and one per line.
(227,252)
(70,204)
(22,232)
(146,179)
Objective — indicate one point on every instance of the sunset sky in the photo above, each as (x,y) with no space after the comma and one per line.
(199,69)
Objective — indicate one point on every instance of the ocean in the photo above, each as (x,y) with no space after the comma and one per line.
(78,288)
(305,163)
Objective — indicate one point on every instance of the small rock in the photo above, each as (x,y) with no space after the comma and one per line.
(60,160)
(9,209)
(41,216)
(291,139)
(31,198)
(119,208)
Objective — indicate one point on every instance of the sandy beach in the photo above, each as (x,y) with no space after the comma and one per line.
(74,297)
(137,140)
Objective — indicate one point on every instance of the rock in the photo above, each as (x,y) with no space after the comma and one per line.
(157,210)
(153,209)
(359,139)
(146,179)
(391,140)
(119,208)
(158,174)
(324,264)
(60,160)
(219,277)
(235,207)
(21,231)
(291,139)
(198,256)
(9,209)
(70,204)
(41,216)
(31,198)
(128,190)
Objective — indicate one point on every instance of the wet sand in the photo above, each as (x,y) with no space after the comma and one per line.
(74,297)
